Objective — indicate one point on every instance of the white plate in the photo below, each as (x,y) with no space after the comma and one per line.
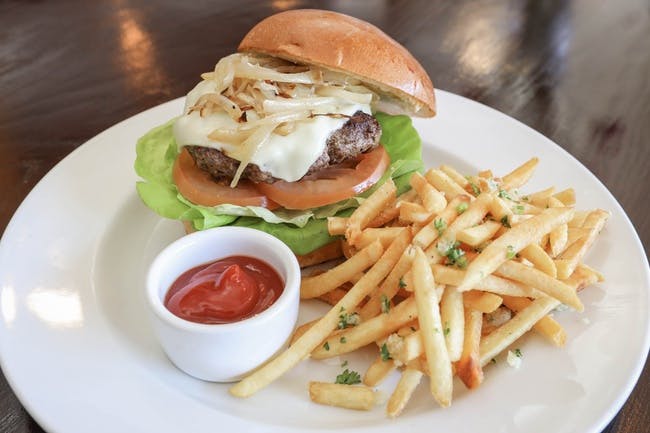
(76,346)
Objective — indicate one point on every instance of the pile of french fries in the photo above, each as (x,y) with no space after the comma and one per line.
(441,280)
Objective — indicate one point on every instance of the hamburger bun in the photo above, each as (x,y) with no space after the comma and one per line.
(348,45)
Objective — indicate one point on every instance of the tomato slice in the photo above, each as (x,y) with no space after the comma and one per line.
(198,187)
(330,185)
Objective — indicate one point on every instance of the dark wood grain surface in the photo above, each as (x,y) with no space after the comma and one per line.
(577,71)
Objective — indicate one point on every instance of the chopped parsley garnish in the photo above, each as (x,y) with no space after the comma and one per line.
(385,354)
(475,189)
(505,222)
(518,353)
(347,320)
(519,209)
(344,363)
(343,340)
(525,198)
(504,194)
(447,330)
(461,208)
(326,346)
(493,361)
(456,256)
(511,254)
(402,283)
(348,377)
(440,225)
(385,304)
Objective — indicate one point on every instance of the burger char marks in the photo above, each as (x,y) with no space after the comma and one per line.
(359,134)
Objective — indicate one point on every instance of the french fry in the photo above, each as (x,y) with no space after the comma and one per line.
(391,211)
(535,278)
(571,257)
(430,232)
(297,333)
(389,287)
(495,342)
(409,380)
(329,252)
(538,257)
(347,249)
(468,367)
(452,315)
(547,327)
(582,277)
(357,397)
(312,287)
(432,199)
(491,283)
(474,214)
(484,302)
(567,197)
(442,182)
(501,211)
(575,233)
(486,174)
(476,235)
(431,330)
(368,331)
(378,371)
(512,242)
(413,213)
(558,239)
(333,296)
(369,209)
(554,202)
(579,218)
(385,235)
(519,175)
(405,349)
(304,345)
(540,198)
(454,175)
(336,225)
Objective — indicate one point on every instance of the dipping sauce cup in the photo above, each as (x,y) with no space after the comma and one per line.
(223,352)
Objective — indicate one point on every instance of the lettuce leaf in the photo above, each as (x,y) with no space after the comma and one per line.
(303,231)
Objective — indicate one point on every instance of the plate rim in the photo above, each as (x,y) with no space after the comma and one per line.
(606,417)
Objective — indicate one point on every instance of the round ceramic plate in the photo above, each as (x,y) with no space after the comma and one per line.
(76,345)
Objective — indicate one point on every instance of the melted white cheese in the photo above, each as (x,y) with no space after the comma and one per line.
(285,157)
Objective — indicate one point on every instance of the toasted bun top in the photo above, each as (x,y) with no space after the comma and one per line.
(346,44)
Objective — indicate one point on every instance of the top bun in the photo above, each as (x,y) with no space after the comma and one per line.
(345,44)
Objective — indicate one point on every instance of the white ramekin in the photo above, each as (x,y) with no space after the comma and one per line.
(223,352)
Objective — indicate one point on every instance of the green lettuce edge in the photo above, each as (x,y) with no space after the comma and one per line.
(302,231)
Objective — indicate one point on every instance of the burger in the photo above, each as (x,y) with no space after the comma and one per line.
(301,123)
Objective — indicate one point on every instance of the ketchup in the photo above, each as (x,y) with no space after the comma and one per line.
(224,291)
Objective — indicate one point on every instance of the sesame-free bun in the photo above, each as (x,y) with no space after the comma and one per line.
(345,44)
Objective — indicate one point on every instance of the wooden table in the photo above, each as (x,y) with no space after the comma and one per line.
(577,71)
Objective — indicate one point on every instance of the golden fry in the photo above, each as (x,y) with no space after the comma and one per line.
(495,342)
(312,287)
(409,380)
(357,397)
(511,242)
(468,367)
(432,331)
(369,209)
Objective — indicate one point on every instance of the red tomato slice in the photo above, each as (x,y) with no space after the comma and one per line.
(331,184)
(198,187)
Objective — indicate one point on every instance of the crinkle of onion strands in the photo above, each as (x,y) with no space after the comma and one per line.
(266,95)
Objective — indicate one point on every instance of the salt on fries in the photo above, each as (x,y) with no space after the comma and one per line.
(441,280)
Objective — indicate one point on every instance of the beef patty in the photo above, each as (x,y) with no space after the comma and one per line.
(359,134)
